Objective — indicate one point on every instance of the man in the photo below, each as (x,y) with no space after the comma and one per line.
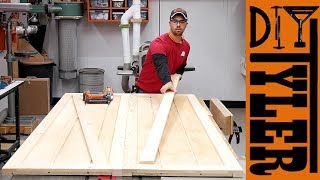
(166,57)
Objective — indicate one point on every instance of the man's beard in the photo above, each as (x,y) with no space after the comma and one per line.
(177,33)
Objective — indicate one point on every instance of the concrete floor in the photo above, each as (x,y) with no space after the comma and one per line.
(238,117)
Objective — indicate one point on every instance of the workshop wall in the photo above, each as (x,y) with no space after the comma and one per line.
(216,32)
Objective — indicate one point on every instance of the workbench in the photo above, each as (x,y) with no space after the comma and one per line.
(99,139)
(15,143)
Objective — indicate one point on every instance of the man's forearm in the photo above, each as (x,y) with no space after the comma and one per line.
(181,69)
(160,62)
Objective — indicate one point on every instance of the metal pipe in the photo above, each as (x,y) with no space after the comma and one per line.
(9,42)
(125,79)
(11,105)
(15,7)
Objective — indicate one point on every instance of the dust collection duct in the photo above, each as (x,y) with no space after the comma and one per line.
(67,25)
(129,62)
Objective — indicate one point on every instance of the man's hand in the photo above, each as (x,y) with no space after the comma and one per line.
(168,86)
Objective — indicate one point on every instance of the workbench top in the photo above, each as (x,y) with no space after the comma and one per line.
(100,139)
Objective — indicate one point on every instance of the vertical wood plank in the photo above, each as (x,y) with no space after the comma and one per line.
(97,114)
(131,142)
(148,106)
(154,138)
(95,150)
(106,132)
(118,141)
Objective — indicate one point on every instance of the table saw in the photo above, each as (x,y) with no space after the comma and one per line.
(107,139)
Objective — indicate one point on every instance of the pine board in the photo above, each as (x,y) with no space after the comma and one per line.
(223,117)
(90,139)
(151,148)
(10,128)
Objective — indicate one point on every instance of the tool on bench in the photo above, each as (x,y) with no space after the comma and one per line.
(104,97)
(236,130)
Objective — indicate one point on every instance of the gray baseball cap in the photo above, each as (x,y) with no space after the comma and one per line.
(179,11)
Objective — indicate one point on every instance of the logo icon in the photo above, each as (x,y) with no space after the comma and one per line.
(282,61)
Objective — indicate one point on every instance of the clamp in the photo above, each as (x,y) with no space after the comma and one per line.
(236,131)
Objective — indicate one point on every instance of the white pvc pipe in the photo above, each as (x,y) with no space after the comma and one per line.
(125,36)
(127,15)
(136,39)
(136,28)
(136,6)
(126,45)
(135,13)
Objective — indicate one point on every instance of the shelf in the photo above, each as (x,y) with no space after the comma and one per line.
(121,8)
(111,21)
(99,21)
(106,14)
(99,8)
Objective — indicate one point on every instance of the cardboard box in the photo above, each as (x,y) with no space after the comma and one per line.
(35,97)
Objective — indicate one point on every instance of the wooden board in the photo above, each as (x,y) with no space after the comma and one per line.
(150,150)
(222,116)
(6,128)
(191,144)
(6,146)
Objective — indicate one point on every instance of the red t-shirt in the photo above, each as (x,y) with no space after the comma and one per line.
(177,54)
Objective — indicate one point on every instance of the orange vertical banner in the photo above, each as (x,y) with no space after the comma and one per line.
(282,94)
